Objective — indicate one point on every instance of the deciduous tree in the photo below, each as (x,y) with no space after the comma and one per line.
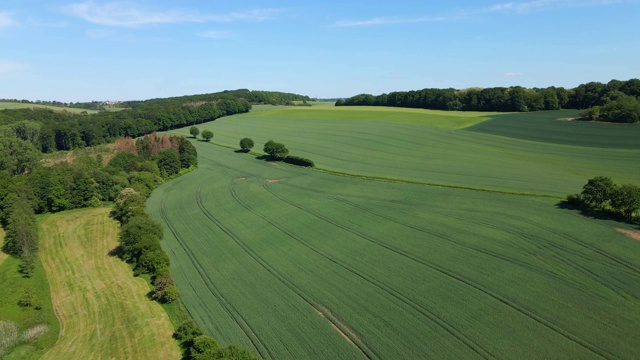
(246,144)
(194,131)
(276,150)
(598,191)
(626,199)
(207,135)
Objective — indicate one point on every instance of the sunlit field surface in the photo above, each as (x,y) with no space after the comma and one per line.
(298,263)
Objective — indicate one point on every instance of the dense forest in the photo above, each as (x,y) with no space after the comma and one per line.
(49,130)
(615,101)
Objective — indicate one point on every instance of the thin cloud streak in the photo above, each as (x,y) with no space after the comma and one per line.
(125,14)
(6,19)
(386,21)
(216,35)
(527,6)
(9,67)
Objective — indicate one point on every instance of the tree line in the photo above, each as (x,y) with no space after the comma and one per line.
(602,194)
(616,101)
(28,188)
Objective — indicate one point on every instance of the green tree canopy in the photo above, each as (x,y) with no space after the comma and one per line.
(168,161)
(205,348)
(188,153)
(187,331)
(207,135)
(246,144)
(626,199)
(598,191)
(276,150)
(17,156)
(194,131)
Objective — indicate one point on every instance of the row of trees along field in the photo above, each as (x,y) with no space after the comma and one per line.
(31,188)
(28,187)
(49,130)
(616,101)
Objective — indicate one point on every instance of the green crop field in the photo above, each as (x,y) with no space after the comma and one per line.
(299,263)
(13,105)
(427,147)
(561,127)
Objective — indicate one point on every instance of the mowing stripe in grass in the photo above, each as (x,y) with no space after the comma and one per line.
(103,310)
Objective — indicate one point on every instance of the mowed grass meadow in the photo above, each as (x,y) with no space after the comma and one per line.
(103,311)
(299,263)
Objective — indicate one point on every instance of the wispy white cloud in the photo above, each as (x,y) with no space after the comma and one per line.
(527,6)
(8,67)
(386,21)
(127,14)
(7,19)
(515,73)
(100,33)
(215,34)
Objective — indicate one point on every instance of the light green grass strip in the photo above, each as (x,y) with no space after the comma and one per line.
(436,118)
(12,105)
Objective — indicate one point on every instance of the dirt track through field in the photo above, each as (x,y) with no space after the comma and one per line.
(103,310)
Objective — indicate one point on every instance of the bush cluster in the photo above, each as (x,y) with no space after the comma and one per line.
(601,193)
(202,347)
(296,160)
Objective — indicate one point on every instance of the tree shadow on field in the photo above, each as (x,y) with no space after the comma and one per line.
(596,214)
(241,151)
(115,252)
(267,158)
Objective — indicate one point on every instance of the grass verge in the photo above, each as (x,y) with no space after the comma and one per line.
(24,320)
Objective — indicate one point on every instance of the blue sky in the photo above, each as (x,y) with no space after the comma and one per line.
(140,49)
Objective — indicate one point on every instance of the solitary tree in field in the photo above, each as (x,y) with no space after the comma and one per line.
(246,144)
(207,135)
(194,131)
(598,191)
(276,150)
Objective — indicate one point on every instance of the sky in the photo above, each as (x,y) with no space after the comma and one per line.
(97,50)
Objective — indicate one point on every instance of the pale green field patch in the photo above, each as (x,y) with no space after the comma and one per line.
(436,118)
(12,105)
